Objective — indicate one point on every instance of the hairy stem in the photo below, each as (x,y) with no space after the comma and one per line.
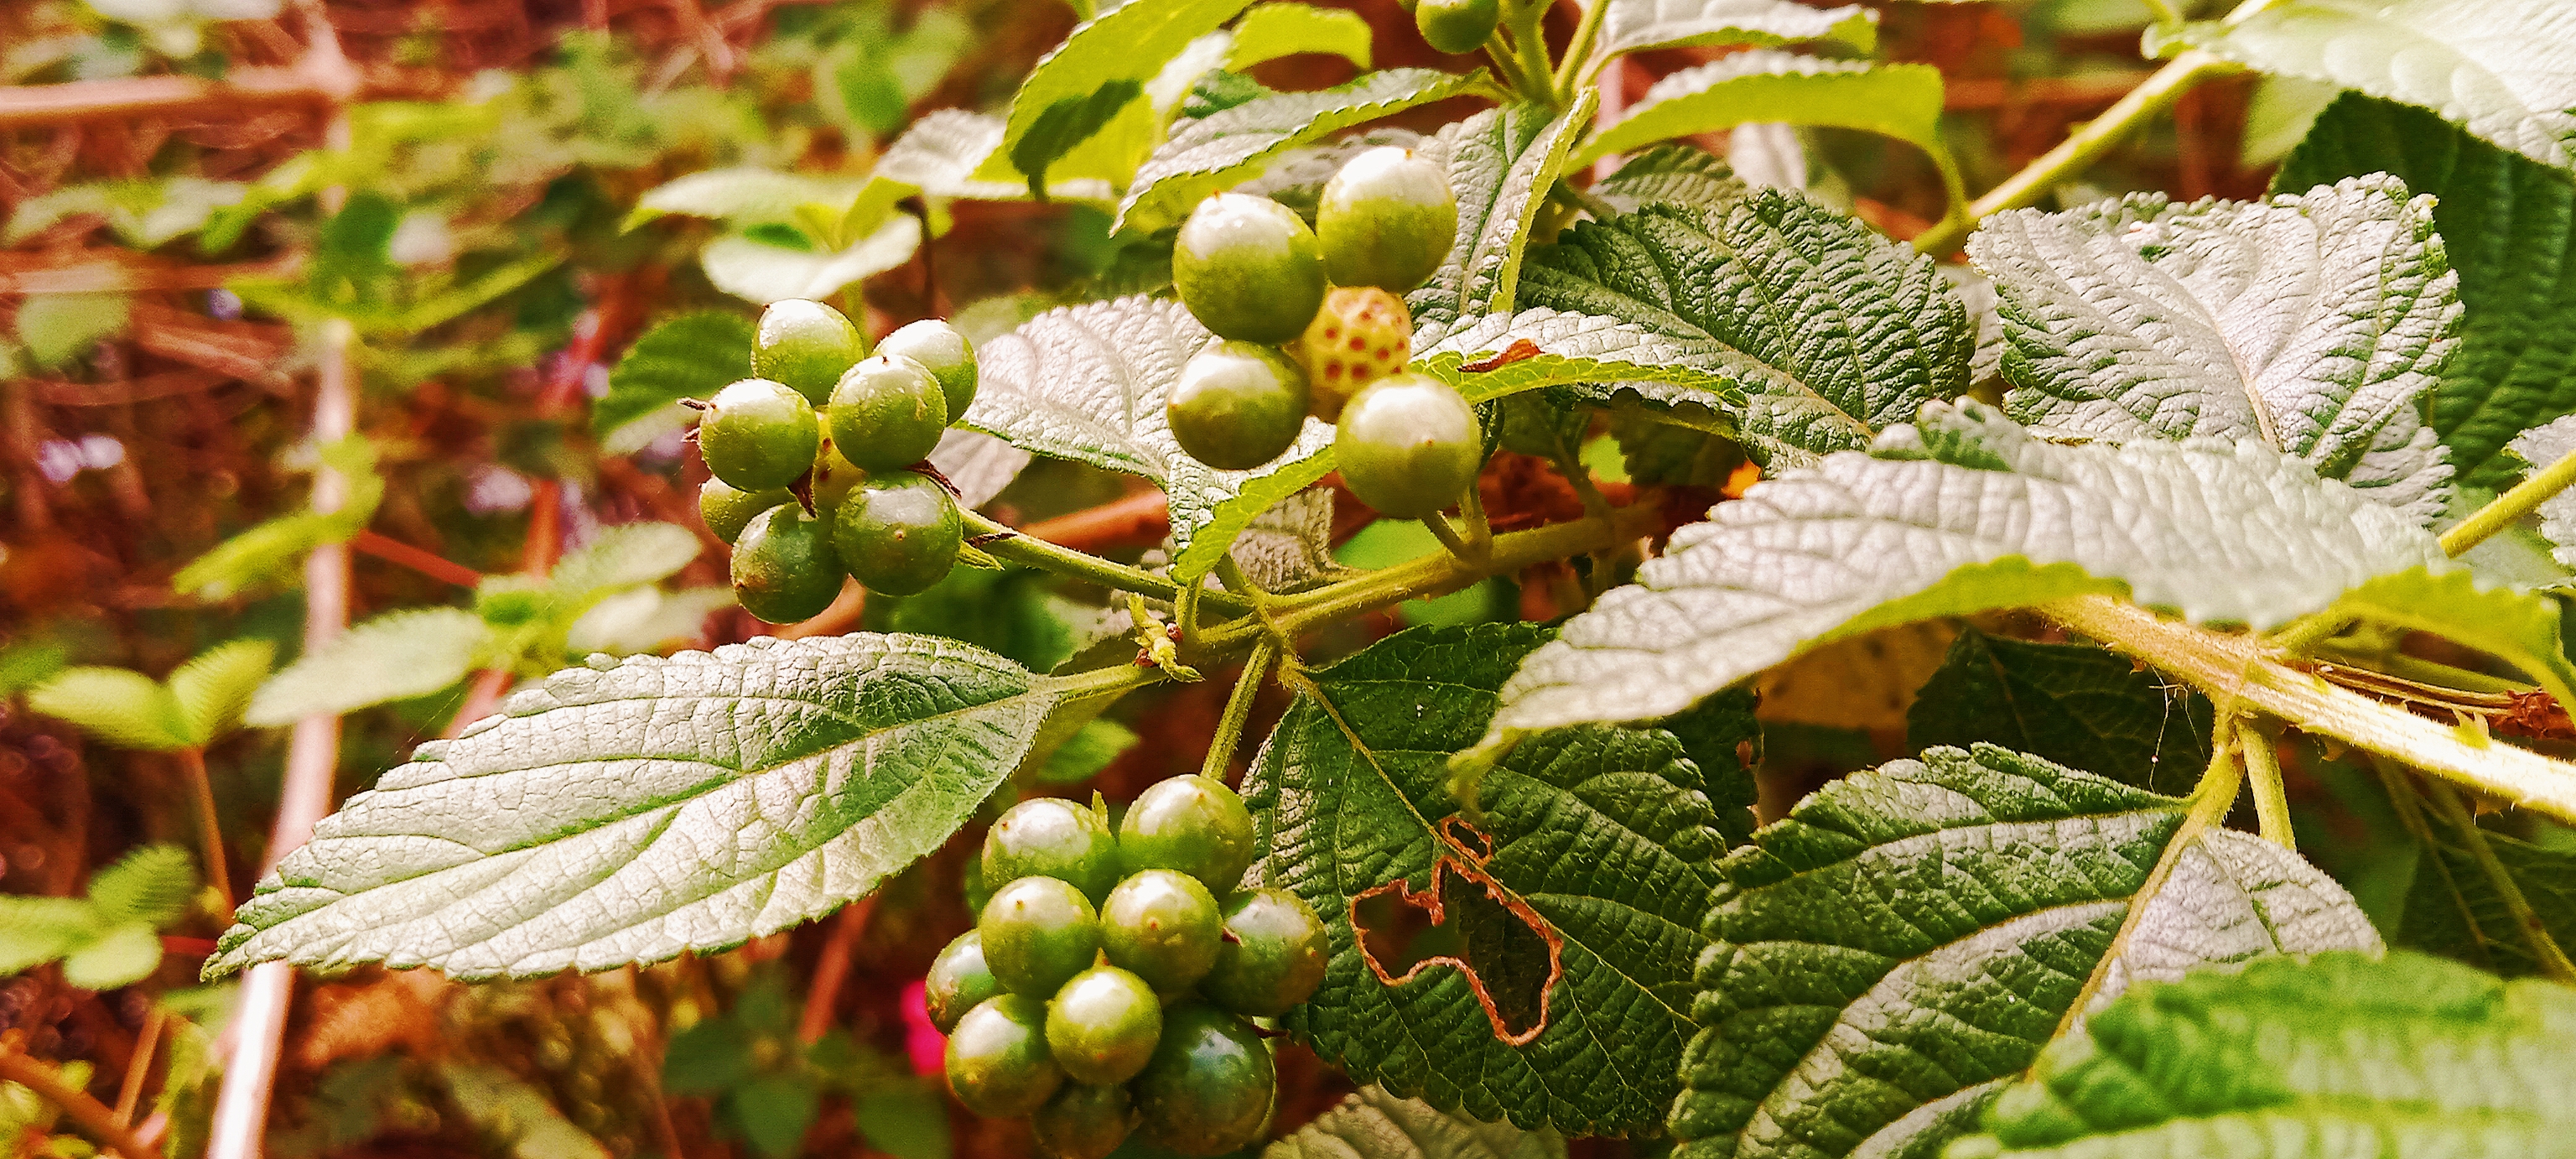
(1038,553)
(93,1116)
(2507,509)
(1449,537)
(1529,38)
(2271,798)
(1578,65)
(1238,709)
(201,789)
(2210,802)
(2544,948)
(1442,573)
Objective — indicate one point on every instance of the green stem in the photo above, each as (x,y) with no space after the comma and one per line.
(1529,38)
(1578,67)
(1507,63)
(192,765)
(1238,709)
(2507,509)
(2271,797)
(1038,553)
(2544,948)
(2210,802)
(1449,537)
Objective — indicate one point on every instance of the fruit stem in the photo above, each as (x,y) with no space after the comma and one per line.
(1238,709)
(1038,553)
(1530,38)
(2263,772)
(1507,61)
(1440,573)
(1578,65)
(1449,538)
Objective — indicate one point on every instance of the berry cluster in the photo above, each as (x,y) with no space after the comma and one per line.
(1104,988)
(1312,322)
(813,460)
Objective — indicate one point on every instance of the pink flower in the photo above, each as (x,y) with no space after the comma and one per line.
(921,1039)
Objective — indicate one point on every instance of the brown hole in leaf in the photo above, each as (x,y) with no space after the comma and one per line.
(1468,922)
(1520,350)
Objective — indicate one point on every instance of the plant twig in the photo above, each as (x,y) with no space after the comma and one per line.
(138,1069)
(427,563)
(832,970)
(2544,948)
(1036,552)
(192,769)
(2271,797)
(1138,520)
(2210,802)
(92,1115)
(1238,709)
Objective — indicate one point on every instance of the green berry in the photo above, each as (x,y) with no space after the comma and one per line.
(1102,1025)
(1408,446)
(1084,1122)
(958,981)
(886,413)
(1163,927)
(1053,837)
(1387,219)
(1457,26)
(1238,405)
(759,434)
(1038,931)
(783,567)
(1271,957)
(1248,268)
(834,478)
(1361,335)
(1191,824)
(1208,1087)
(945,353)
(805,345)
(898,533)
(727,509)
(997,1058)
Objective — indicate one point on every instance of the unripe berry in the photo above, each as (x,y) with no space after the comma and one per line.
(1387,219)
(1102,1025)
(1272,957)
(886,413)
(1361,335)
(897,533)
(783,567)
(1238,405)
(727,509)
(940,349)
(1209,1085)
(1248,268)
(1408,446)
(1189,824)
(1083,1122)
(1038,932)
(1457,26)
(805,345)
(758,434)
(1053,837)
(958,981)
(1163,927)
(997,1059)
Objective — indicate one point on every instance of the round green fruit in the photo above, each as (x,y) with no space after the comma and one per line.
(834,478)
(759,434)
(1457,26)
(942,351)
(1038,932)
(1053,837)
(1272,955)
(958,981)
(1162,927)
(727,509)
(897,533)
(1084,1122)
(1191,824)
(1387,219)
(805,345)
(1208,1087)
(1238,405)
(1408,446)
(1248,268)
(997,1058)
(783,568)
(886,413)
(1103,1024)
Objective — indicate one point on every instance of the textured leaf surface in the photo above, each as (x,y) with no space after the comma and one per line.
(413,652)
(213,688)
(2504,68)
(978,464)
(2509,225)
(1119,51)
(1830,331)
(690,356)
(633,811)
(122,707)
(1999,519)
(1596,842)
(942,152)
(1501,164)
(1372,1124)
(1895,100)
(2340,1056)
(1908,939)
(1223,149)
(1685,175)
(1290,546)
(2316,322)
(1270,31)
(2070,703)
(2542,446)
(1571,348)
(1637,25)
(2517,626)
(2454,908)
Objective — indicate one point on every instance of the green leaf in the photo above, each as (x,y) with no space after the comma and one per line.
(1830,331)
(1639,25)
(394,656)
(906,1124)
(759,272)
(689,356)
(742,196)
(122,707)
(26,665)
(1224,149)
(2068,703)
(2542,446)
(57,328)
(144,214)
(774,1111)
(2341,1055)
(2509,226)
(2454,908)
(1502,162)
(1104,60)
(2314,322)
(1569,895)
(2510,624)
(122,956)
(271,548)
(1086,752)
(977,464)
(1964,512)
(1372,1124)
(2506,69)
(213,689)
(1907,940)
(624,556)
(37,930)
(1271,31)
(1677,174)
(1572,349)
(1895,100)
(1289,547)
(943,151)
(722,796)
(151,885)
(1296,177)
(645,620)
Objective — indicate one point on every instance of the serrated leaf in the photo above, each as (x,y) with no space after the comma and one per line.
(942,152)
(1638,25)
(1126,47)
(1296,177)
(2341,1055)
(1501,162)
(742,195)
(1858,682)
(621,557)
(2541,447)
(688,356)
(2509,226)
(122,707)
(1978,515)
(1588,847)
(1676,174)
(1289,547)
(2315,322)
(1895,100)
(1907,940)
(1830,331)
(977,464)
(1228,147)
(2516,626)
(122,956)
(391,657)
(2068,703)
(723,796)
(57,328)
(150,886)
(212,689)
(1271,31)
(2506,69)
(1372,1124)
(1571,349)
(761,273)
(2454,908)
